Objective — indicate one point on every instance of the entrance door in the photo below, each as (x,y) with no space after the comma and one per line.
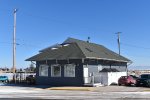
(86,77)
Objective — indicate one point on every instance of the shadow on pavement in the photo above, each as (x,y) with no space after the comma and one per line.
(25,85)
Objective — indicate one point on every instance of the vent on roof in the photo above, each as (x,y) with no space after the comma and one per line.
(88,49)
(65,44)
(106,53)
(60,45)
(88,40)
(53,48)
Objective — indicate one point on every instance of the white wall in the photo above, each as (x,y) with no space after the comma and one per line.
(9,75)
(89,70)
(86,76)
(101,78)
(93,68)
(107,78)
(114,76)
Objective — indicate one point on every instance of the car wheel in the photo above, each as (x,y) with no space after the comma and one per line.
(6,81)
(148,84)
(119,84)
(127,84)
(137,85)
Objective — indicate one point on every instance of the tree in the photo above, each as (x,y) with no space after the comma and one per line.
(32,67)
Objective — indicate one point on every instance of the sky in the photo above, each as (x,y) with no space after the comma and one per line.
(42,23)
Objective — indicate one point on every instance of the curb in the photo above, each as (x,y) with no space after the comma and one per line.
(72,88)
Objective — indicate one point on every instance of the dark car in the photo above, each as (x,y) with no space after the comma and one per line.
(4,78)
(126,80)
(143,80)
(30,79)
(135,77)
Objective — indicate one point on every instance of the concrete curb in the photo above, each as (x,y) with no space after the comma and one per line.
(73,88)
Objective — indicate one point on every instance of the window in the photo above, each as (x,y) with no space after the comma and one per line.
(55,70)
(69,70)
(43,70)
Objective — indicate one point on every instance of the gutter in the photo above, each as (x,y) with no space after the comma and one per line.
(107,59)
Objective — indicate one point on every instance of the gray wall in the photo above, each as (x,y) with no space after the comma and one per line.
(119,68)
(97,68)
(60,81)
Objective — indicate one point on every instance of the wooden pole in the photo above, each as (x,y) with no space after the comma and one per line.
(14,45)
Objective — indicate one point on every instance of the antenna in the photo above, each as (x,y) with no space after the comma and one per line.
(14,44)
(118,40)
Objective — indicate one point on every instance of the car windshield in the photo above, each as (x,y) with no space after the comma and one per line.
(124,77)
(133,76)
(145,76)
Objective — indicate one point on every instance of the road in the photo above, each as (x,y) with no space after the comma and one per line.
(100,93)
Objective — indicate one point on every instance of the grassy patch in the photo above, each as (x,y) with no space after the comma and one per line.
(72,88)
(147,90)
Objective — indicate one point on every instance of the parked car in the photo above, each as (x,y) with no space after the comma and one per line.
(30,79)
(143,80)
(126,80)
(4,78)
(135,77)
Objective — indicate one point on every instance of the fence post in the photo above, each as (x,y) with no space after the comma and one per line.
(92,78)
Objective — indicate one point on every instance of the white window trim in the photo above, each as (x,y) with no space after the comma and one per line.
(40,70)
(74,71)
(52,72)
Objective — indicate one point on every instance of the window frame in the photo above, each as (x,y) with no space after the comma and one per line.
(68,75)
(40,68)
(52,72)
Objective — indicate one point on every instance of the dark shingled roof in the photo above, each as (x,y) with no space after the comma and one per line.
(77,49)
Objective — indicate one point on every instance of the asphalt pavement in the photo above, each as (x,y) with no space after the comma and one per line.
(14,92)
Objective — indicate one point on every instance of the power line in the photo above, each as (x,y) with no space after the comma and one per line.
(134,46)
(21,44)
(139,56)
(40,17)
(5,43)
(47,19)
(32,45)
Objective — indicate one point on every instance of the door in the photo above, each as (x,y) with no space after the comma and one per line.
(86,77)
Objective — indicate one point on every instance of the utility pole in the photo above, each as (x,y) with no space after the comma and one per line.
(14,45)
(118,40)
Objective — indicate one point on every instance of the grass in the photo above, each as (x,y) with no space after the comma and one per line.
(72,88)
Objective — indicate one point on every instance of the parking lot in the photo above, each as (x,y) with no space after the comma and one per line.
(106,93)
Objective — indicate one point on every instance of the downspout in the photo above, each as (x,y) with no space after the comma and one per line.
(68,61)
(127,70)
(33,63)
(82,60)
(56,61)
(46,62)
(110,66)
(83,78)
(127,67)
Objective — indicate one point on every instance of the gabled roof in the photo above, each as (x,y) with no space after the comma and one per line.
(78,49)
(72,51)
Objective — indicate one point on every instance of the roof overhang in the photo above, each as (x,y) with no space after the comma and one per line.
(109,59)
